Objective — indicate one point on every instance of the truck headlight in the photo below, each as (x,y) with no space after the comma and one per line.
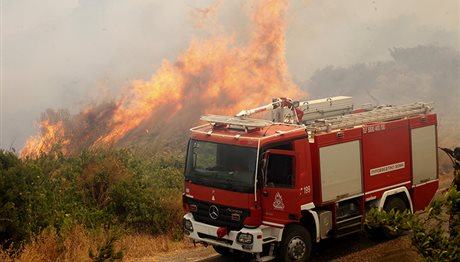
(188,227)
(244,238)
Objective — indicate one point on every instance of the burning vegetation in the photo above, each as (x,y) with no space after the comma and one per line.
(214,75)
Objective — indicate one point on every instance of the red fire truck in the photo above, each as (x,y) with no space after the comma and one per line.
(273,188)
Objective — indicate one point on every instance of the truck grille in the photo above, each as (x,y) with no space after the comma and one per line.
(225,214)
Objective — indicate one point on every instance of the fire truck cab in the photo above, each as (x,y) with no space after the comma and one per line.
(275,188)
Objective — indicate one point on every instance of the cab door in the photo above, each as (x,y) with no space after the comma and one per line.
(280,198)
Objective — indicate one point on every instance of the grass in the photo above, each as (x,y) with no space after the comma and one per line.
(76,244)
(148,247)
(47,246)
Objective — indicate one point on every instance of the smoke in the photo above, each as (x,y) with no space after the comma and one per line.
(68,53)
(343,33)
(213,74)
(422,73)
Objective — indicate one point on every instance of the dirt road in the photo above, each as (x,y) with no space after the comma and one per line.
(353,248)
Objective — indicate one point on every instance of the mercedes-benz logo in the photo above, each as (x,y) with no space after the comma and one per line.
(213,212)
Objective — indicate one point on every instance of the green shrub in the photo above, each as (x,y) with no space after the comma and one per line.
(394,221)
(26,198)
(96,188)
(435,232)
(436,235)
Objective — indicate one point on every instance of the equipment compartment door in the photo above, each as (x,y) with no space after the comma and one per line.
(280,198)
(340,170)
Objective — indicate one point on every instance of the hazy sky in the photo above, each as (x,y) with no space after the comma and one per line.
(62,54)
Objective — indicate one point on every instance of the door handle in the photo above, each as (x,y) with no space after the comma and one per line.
(266,193)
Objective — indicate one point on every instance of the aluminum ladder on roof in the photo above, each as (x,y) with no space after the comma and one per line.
(315,109)
(379,114)
(245,123)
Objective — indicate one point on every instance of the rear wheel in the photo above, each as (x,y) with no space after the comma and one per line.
(397,204)
(296,244)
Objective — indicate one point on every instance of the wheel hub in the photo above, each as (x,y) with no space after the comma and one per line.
(296,248)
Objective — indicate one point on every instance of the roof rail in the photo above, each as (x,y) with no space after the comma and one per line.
(379,114)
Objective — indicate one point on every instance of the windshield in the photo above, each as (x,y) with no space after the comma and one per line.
(222,166)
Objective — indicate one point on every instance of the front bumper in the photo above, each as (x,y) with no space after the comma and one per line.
(207,233)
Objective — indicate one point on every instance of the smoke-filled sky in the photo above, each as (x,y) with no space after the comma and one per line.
(63,54)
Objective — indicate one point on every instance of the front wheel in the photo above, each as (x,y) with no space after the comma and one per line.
(296,244)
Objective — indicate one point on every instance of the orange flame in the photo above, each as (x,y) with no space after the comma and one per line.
(144,98)
(212,76)
(51,135)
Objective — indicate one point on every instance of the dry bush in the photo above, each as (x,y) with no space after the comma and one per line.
(6,255)
(43,247)
(49,246)
(146,246)
(75,244)
(100,174)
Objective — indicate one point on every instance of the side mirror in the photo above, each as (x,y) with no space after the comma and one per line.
(194,159)
(264,165)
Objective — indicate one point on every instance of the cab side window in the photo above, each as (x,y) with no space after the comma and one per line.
(280,171)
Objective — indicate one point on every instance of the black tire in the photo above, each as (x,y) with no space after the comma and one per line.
(296,244)
(397,204)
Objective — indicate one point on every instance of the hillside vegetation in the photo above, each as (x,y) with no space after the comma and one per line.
(98,195)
